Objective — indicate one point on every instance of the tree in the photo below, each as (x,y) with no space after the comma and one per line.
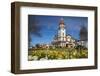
(83,33)
(33,28)
(38,45)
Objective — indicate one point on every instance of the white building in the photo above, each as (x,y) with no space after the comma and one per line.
(62,39)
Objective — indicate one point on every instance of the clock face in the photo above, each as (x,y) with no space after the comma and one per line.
(61,26)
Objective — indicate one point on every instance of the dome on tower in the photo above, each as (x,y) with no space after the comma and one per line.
(61,21)
(61,24)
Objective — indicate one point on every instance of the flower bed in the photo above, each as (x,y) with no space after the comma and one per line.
(49,54)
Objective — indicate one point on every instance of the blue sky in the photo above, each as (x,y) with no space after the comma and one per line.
(44,28)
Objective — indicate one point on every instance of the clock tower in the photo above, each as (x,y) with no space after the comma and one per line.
(62,33)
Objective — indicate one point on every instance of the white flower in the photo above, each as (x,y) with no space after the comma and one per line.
(30,57)
(35,57)
(44,58)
